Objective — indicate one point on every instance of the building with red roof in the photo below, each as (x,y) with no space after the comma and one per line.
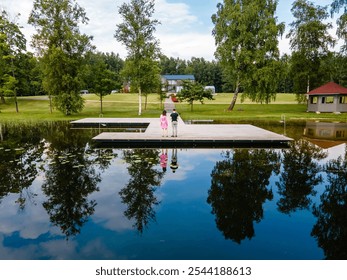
(330,97)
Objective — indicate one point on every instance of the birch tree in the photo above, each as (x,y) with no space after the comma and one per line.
(309,39)
(136,32)
(246,36)
(336,7)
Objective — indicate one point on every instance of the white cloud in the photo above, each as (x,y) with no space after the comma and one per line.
(31,227)
(187,45)
(174,17)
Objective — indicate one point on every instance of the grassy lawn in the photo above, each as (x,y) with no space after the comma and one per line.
(34,109)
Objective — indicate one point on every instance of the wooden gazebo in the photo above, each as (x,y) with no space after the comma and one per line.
(330,97)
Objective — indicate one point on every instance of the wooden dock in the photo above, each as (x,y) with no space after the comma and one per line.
(189,135)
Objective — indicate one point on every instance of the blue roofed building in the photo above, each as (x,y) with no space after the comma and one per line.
(173,83)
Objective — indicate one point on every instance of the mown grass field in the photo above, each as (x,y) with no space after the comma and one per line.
(35,109)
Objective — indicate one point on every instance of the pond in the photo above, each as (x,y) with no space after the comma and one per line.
(63,198)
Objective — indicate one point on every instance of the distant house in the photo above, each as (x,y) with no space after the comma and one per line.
(173,83)
(330,97)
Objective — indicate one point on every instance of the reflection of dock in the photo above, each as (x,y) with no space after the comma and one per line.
(189,135)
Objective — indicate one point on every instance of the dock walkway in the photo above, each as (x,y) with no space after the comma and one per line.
(189,135)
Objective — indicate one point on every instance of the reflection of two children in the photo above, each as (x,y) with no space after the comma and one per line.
(164,159)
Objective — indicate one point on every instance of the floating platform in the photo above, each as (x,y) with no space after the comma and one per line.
(148,134)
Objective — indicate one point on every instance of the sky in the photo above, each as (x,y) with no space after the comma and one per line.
(185,30)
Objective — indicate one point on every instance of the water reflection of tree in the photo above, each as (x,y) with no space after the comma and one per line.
(239,187)
(330,229)
(299,176)
(138,194)
(20,153)
(70,177)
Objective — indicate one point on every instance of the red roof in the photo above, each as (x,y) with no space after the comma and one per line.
(329,88)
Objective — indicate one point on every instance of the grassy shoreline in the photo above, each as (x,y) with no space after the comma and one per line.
(36,109)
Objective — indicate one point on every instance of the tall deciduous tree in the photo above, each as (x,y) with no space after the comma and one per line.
(336,6)
(136,32)
(246,35)
(309,40)
(12,44)
(61,47)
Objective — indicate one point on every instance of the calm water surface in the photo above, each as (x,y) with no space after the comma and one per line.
(62,198)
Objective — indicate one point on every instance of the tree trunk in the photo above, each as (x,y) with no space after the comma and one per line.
(2,98)
(50,103)
(308,84)
(100,104)
(16,102)
(14,90)
(140,103)
(236,93)
(1,134)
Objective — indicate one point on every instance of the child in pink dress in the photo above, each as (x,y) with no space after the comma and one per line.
(164,124)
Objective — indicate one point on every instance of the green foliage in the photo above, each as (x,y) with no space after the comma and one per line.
(61,81)
(100,72)
(61,47)
(205,72)
(310,41)
(341,32)
(246,36)
(308,33)
(136,32)
(12,44)
(9,85)
(173,66)
(68,103)
(193,92)
(333,67)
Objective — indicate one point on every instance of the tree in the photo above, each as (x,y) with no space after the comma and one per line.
(104,85)
(12,44)
(246,34)
(96,76)
(172,66)
(61,47)
(137,34)
(285,84)
(193,92)
(334,68)
(206,72)
(150,79)
(161,94)
(115,64)
(309,40)
(336,5)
